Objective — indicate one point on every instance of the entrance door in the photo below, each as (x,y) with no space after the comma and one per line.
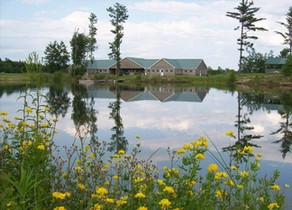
(161,72)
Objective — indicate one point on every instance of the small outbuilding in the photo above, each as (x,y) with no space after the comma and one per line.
(274,65)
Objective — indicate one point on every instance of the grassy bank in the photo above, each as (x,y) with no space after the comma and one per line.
(218,80)
(45,77)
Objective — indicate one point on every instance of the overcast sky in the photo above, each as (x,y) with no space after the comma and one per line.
(155,28)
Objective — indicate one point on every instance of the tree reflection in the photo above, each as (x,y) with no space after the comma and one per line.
(118,141)
(58,100)
(243,126)
(286,125)
(84,114)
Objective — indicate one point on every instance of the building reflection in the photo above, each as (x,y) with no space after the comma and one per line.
(154,93)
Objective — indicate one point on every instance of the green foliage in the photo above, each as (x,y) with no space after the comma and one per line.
(56,56)
(33,68)
(245,14)
(91,38)
(287,35)
(9,66)
(79,47)
(34,175)
(254,62)
(231,78)
(287,67)
(118,14)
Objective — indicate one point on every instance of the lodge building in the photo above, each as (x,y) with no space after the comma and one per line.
(164,66)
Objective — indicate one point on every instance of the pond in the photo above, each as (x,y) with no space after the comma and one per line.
(168,116)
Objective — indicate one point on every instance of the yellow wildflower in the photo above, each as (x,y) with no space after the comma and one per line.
(180,151)
(244,173)
(60,208)
(275,187)
(47,109)
(287,185)
(28,110)
(273,206)
(78,168)
(168,189)
(59,195)
(96,207)
(140,195)
(260,155)
(229,182)
(138,137)
(109,200)
(115,177)
(41,147)
(229,133)
(262,199)
(219,194)
(121,152)
(138,179)
(239,186)
(68,194)
(233,168)
(164,203)
(200,156)
(92,155)
(160,182)
(81,186)
(219,175)
(120,202)
(213,167)
(142,208)
(3,113)
(188,146)
(248,149)
(101,191)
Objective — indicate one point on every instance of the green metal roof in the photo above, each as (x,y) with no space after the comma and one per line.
(184,63)
(275,61)
(101,64)
(146,63)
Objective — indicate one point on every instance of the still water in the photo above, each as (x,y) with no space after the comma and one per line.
(168,116)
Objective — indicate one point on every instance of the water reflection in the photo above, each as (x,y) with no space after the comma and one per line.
(58,100)
(243,126)
(118,140)
(166,93)
(148,108)
(285,129)
(84,114)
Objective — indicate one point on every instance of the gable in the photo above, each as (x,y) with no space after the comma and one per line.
(126,63)
(162,64)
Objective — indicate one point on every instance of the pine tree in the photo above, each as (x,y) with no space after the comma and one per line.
(245,14)
(288,35)
(118,14)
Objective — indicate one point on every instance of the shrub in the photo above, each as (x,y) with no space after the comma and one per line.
(287,67)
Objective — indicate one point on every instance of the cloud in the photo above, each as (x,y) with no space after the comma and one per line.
(171,7)
(35,35)
(34,1)
(156,28)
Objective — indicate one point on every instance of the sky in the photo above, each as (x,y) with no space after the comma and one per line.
(155,28)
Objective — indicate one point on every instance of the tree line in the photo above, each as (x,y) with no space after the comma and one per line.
(84,45)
